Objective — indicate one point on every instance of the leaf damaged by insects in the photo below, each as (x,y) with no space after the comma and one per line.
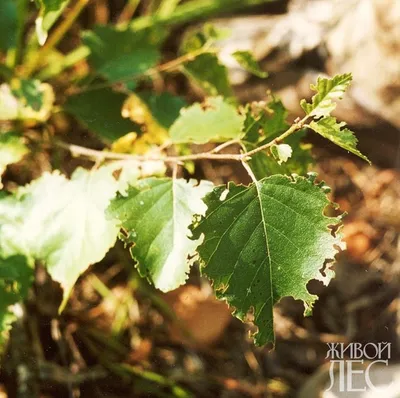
(265,242)
(156,214)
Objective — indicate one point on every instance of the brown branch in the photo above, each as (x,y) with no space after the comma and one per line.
(211,155)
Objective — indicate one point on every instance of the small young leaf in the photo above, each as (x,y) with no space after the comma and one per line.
(215,120)
(281,152)
(264,242)
(247,62)
(156,213)
(49,12)
(327,90)
(329,128)
(100,111)
(61,222)
(12,150)
(119,55)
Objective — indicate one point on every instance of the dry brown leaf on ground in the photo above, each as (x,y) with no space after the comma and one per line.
(200,313)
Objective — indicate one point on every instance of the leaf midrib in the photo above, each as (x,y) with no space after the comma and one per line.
(258,189)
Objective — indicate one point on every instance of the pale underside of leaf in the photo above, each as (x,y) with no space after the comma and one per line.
(265,242)
(61,223)
(156,214)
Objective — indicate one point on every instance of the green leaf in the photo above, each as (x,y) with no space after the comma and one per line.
(12,150)
(100,111)
(119,55)
(15,279)
(264,242)
(215,120)
(164,107)
(61,222)
(8,24)
(205,71)
(156,214)
(49,12)
(26,100)
(247,62)
(327,90)
(263,124)
(329,128)
(265,121)
(209,74)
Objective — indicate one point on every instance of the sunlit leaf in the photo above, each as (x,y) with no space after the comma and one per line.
(329,128)
(327,90)
(61,222)
(156,214)
(215,120)
(264,242)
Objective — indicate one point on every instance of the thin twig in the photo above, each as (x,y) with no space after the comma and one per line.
(128,11)
(297,125)
(247,166)
(245,156)
(225,145)
(94,154)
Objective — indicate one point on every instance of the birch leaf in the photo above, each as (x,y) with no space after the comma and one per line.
(156,214)
(264,242)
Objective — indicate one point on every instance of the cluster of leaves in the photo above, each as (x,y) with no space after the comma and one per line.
(256,243)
